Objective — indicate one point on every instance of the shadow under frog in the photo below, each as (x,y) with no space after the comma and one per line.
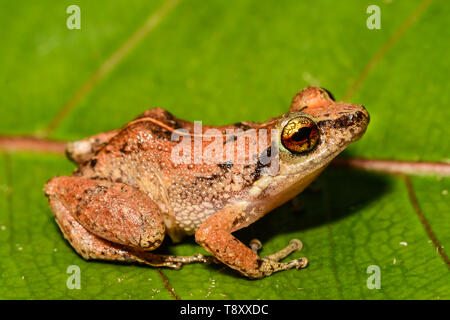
(336,194)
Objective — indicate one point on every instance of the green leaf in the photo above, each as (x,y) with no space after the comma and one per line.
(224,62)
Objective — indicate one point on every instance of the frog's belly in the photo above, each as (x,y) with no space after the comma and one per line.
(189,217)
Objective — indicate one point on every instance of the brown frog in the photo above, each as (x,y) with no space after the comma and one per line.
(136,184)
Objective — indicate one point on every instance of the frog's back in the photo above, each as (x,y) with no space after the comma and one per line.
(141,155)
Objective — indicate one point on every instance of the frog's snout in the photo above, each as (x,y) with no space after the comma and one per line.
(349,122)
(362,118)
(356,122)
(365,116)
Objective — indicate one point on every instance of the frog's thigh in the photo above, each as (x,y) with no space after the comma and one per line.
(113,211)
(215,236)
(88,245)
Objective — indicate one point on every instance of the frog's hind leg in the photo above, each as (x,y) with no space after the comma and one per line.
(85,243)
(113,211)
(108,221)
(92,247)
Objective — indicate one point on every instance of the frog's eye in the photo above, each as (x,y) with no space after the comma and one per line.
(300,135)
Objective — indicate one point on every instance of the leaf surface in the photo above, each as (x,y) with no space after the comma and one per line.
(221,63)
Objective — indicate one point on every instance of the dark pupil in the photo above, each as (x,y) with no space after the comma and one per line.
(301,134)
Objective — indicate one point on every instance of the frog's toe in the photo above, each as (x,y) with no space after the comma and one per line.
(255,245)
(296,244)
(301,263)
(268,266)
(173,265)
(298,263)
(293,246)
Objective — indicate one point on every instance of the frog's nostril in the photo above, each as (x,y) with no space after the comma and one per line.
(349,120)
(358,117)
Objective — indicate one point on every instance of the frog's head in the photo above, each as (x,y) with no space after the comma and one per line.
(315,131)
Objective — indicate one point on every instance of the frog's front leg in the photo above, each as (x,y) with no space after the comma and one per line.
(215,236)
(111,221)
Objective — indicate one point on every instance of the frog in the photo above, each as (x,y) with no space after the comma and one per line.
(129,191)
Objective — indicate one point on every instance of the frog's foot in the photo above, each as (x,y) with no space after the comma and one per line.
(293,246)
(267,266)
(173,262)
(255,245)
(215,236)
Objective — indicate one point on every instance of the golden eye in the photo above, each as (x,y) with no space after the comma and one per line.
(300,135)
